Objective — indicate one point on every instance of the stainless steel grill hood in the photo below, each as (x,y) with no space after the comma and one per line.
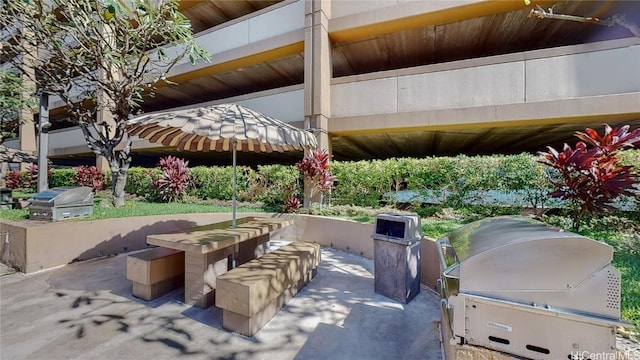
(525,288)
(61,203)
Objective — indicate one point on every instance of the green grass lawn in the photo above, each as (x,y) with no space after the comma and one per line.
(139,208)
(626,258)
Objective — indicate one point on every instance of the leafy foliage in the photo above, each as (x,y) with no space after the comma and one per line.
(30,178)
(272,185)
(100,55)
(316,171)
(12,101)
(140,182)
(62,177)
(453,179)
(590,178)
(25,179)
(13,179)
(217,182)
(292,204)
(173,183)
(89,176)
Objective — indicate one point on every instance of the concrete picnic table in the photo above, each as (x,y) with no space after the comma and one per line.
(210,251)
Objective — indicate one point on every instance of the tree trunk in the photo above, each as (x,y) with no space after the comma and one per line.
(311,195)
(119,162)
(118,182)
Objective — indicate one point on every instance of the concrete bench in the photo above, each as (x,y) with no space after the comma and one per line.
(251,294)
(155,272)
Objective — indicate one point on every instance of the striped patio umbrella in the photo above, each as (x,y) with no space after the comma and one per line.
(16,156)
(225,127)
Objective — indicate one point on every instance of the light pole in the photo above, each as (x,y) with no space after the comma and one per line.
(43,141)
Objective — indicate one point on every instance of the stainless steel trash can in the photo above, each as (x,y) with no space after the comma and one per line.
(396,243)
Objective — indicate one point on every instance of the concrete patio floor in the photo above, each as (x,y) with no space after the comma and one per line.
(86,311)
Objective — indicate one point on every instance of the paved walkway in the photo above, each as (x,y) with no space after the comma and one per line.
(86,311)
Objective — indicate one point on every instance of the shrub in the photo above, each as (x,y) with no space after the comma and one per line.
(291,204)
(362,183)
(451,180)
(30,178)
(62,177)
(316,171)
(26,179)
(13,179)
(217,182)
(173,182)
(591,178)
(89,176)
(140,182)
(272,185)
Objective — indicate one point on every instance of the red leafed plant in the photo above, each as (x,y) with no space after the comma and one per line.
(13,179)
(173,183)
(316,170)
(89,176)
(291,204)
(591,178)
(29,179)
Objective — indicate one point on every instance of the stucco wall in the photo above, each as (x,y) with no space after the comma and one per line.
(506,81)
(13,246)
(350,236)
(37,245)
(34,245)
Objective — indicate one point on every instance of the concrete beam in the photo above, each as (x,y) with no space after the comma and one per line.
(594,108)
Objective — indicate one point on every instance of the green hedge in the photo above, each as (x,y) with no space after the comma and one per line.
(364,183)
(631,157)
(62,177)
(273,184)
(140,182)
(217,182)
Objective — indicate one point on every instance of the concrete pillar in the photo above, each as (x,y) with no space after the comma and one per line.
(317,77)
(317,69)
(102,163)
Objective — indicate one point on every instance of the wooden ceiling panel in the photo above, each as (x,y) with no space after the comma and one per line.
(480,141)
(210,13)
(290,68)
(479,37)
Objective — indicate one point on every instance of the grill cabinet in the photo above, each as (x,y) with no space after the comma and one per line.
(519,286)
(6,199)
(61,203)
(396,247)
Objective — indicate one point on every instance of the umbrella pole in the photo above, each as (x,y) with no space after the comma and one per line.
(233,196)
(233,203)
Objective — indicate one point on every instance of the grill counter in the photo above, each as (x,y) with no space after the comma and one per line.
(519,286)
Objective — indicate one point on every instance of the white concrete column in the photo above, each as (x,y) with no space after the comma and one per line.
(317,77)
(317,69)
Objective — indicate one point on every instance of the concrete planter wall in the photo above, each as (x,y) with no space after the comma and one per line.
(32,246)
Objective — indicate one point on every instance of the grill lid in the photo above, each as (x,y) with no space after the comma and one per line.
(63,196)
(513,253)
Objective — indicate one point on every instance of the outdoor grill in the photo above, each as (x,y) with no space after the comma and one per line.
(61,203)
(521,287)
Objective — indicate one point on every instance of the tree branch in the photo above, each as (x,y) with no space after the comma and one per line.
(617,19)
